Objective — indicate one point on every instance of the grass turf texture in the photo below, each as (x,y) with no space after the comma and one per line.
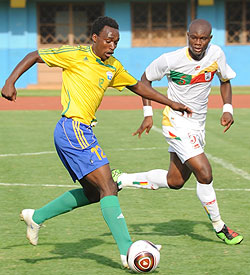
(80,242)
(112,92)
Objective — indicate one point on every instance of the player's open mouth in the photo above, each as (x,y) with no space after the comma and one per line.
(109,54)
(198,50)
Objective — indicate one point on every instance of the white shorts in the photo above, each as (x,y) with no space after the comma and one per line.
(184,142)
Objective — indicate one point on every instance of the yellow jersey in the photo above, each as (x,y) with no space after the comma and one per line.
(85,77)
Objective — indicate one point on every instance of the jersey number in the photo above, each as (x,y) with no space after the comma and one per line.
(182,81)
(95,150)
(101,80)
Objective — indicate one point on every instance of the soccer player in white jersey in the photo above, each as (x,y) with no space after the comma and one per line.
(190,71)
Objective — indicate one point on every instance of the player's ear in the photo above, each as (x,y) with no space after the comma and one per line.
(94,37)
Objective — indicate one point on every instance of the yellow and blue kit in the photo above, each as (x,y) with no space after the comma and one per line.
(85,77)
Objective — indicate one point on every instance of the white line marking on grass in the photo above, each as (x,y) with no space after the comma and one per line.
(156,129)
(219,189)
(53,152)
(73,185)
(229,166)
(136,149)
(219,161)
(27,154)
(223,163)
(41,185)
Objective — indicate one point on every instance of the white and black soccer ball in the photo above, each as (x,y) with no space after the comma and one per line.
(143,256)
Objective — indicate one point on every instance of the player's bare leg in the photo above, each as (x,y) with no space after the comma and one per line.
(202,170)
(102,180)
(178,173)
(176,177)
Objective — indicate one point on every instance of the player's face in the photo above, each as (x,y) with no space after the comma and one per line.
(198,41)
(106,42)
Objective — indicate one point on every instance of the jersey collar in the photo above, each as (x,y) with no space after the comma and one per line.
(98,60)
(95,56)
(189,56)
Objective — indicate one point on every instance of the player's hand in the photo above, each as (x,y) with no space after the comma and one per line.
(181,108)
(147,124)
(9,92)
(226,120)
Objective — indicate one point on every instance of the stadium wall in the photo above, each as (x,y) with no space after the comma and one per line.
(18,36)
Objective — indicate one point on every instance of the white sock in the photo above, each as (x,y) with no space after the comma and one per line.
(218,225)
(153,179)
(206,194)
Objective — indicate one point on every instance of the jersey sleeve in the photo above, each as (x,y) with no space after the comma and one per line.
(157,69)
(62,57)
(122,78)
(224,71)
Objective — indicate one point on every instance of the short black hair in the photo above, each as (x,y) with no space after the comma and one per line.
(101,22)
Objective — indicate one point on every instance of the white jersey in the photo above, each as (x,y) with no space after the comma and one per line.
(189,82)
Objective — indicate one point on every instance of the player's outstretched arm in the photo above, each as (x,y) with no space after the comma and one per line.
(226,94)
(147,122)
(151,94)
(146,125)
(9,91)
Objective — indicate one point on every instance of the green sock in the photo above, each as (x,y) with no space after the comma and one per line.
(115,220)
(65,203)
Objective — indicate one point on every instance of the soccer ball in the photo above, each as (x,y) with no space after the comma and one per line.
(143,256)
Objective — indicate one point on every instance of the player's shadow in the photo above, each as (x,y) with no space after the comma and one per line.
(76,250)
(176,227)
(81,249)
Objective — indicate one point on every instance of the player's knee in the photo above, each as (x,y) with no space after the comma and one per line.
(176,186)
(93,197)
(114,188)
(175,183)
(204,176)
(109,189)
(205,180)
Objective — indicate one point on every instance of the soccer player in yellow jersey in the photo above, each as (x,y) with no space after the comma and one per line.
(87,72)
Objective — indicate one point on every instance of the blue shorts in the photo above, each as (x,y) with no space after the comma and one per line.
(78,148)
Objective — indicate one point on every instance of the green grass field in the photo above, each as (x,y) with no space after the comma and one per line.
(80,242)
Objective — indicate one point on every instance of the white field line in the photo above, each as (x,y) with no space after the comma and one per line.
(27,154)
(219,161)
(156,129)
(229,166)
(223,163)
(53,152)
(137,149)
(41,185)
(78,186)
(220,189)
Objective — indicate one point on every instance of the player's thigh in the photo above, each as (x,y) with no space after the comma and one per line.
(101,179)
(201,168)
(178,172)
(90,191)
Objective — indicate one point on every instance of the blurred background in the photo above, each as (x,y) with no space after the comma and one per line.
(147,29)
